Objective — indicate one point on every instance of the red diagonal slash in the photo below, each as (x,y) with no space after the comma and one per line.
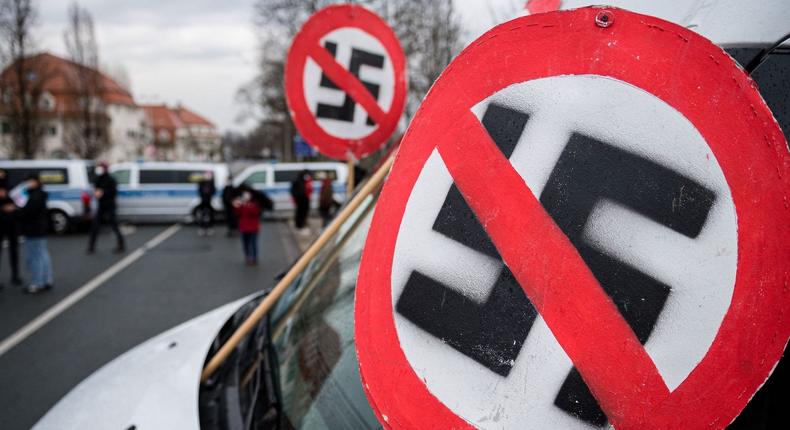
(347,82)
(583,319)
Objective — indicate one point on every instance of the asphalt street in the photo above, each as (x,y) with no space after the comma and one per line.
(104,304)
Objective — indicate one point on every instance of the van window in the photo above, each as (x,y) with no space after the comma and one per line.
(286,175)
(171,176)
(190,177)
(48,176)
(54,176)
(257,178)
(290,175)
(91,171)
(16,175)
(156,177)
(322,173)
(122,176)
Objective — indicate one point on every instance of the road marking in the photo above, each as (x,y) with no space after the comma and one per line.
(80,293)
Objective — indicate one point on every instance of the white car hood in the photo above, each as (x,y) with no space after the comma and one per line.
(152,386)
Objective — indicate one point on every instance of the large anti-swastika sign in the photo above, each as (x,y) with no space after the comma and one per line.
(345,81)
(585,237)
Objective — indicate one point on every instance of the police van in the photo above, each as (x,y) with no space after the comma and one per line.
(275,179)
(68,183)
(164,191)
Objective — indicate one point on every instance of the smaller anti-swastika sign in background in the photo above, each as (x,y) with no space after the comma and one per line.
(593,234)
(345,81)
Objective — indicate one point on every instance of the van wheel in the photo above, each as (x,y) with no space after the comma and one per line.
(59,222)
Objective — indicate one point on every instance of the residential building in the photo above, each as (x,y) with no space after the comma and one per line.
(67,114)
(181,134)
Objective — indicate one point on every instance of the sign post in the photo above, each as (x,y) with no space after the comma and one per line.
(345,81)
(586,236)
(350,184)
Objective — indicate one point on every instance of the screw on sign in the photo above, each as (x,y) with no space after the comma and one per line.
(584,238)
(345,81)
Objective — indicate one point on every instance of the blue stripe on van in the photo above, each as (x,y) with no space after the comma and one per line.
(72,194)
(163,192)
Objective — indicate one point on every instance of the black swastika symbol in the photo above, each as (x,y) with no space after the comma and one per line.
(359,58)
(587,172)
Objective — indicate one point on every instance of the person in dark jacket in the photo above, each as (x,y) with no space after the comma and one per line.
(326,202)
(300,191)
(229,194)
(9,230)
(105,191)
(248,211)
(34,219)
(204,211)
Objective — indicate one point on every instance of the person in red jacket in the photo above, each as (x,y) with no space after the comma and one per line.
(248,214)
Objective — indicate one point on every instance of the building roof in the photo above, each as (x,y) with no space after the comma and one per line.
(60,78)
(161,116)
(164,118)
(189,117)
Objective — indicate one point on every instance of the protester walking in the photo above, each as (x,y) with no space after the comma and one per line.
(105,191)
(327,203)
(9,230)
(248,211)
(229,194)
(34,220)
(204,211)
(301,189)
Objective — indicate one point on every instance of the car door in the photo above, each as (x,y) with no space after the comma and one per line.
(280,191)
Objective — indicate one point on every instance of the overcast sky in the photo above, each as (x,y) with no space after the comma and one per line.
(197,52)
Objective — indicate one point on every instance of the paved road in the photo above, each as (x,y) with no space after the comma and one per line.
(168,276)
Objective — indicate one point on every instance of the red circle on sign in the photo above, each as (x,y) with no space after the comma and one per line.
(306,45)
(740,131)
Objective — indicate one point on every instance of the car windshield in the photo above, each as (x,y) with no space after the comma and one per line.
(313,336)
(773,79)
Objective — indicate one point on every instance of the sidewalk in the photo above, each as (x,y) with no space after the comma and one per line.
(303,240)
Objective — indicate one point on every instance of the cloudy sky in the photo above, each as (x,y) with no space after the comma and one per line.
(196,52)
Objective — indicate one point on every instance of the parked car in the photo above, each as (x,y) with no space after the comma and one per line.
(275,179)
(164,191)
(69,184)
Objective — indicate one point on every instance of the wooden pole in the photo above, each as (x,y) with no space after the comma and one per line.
(350,184)
(271,299)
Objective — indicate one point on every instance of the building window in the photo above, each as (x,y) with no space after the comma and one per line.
(52,130)
(5,128)
(46,102)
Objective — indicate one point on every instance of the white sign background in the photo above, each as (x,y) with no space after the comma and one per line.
(701,271)
(346,39)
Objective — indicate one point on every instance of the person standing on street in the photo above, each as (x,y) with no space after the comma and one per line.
(248,211)
(9,230)
(204,211)
(34,219)
(301,188)
(327,203)
(229,194)
(105,191)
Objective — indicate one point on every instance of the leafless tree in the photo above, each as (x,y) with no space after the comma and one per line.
(21,85)
(429,31)
(87,135)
